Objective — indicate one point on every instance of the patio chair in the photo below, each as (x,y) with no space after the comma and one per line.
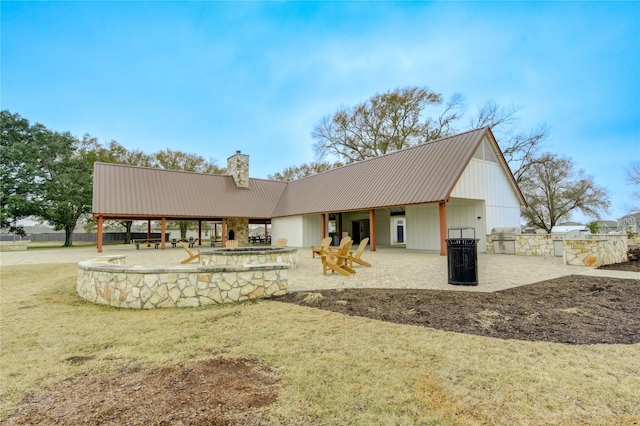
(355,256)
(232,244)
(343,241)
(193,254)
(281,242)
(324,245)
(337,262)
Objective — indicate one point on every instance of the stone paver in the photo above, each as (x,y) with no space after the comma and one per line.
(392,268)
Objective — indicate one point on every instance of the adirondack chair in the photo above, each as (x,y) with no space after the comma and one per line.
(343,241)
(355,256)
(337,262)
(324,245)
(232,244)
(281,242)
(193,254)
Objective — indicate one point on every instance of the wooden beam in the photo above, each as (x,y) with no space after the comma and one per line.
(200,232)
(324,225)
(99,237)
(372,230)
(442,212)
(163,230)
(148,232)
(340,226)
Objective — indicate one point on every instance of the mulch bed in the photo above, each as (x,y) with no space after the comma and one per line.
(574,309)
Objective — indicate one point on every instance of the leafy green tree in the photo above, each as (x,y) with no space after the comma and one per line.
(67,186)
(93,151)
(553,190)
(20,153)
(307,169)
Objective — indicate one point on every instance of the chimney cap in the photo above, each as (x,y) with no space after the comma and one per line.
(238,151)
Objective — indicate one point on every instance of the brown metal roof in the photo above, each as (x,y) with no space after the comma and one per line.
(421,174)
(129,191)
(424,173)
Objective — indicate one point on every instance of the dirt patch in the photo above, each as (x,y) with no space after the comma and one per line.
(214,392)
(575,309)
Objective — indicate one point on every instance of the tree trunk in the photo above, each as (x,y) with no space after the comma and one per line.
(183,229)
(127,234)
(68,237)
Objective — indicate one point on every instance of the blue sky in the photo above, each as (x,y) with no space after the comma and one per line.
(214,77)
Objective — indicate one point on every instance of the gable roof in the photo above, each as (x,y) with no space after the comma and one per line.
(424,173)
(421,174)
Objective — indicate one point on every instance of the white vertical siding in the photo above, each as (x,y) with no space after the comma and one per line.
(423,227)
(291,228)
(488,181)
(383,227)
(462,212)
(311,230)
(423,223)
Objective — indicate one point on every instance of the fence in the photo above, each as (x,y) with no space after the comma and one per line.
(107,237)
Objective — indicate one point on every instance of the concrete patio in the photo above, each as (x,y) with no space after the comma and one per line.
(392,268)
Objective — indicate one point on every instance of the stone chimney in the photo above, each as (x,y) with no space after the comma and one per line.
(238,167)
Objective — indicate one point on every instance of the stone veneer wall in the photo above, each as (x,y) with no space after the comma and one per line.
(14,245)
(529,245)
(240,228)
(249,256)
(596,251)
(600,249)
(107,281)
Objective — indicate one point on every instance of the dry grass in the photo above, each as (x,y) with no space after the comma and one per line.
(334,369)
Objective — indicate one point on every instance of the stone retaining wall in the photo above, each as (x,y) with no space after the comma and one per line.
(106,280)
(596,251)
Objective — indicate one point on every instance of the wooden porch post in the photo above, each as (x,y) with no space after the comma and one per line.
(99,237)
(372,230)
(324,225)
(442,211)
(162,232)
(266,234)
(199,232)
(148,232)
(340,226)
(224,232)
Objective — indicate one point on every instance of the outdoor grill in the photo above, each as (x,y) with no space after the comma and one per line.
(504,240)
(560,233)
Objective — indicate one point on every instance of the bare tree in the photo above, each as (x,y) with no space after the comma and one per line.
(633,178)
(307,169)
(554,190)
(384,123)
(520,149)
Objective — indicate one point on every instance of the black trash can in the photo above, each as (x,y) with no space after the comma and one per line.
(462,258)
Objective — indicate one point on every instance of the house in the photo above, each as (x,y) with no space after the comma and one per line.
(410,196)
(630,222)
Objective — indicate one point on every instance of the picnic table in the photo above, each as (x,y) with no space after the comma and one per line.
(191,241)
(148,242)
